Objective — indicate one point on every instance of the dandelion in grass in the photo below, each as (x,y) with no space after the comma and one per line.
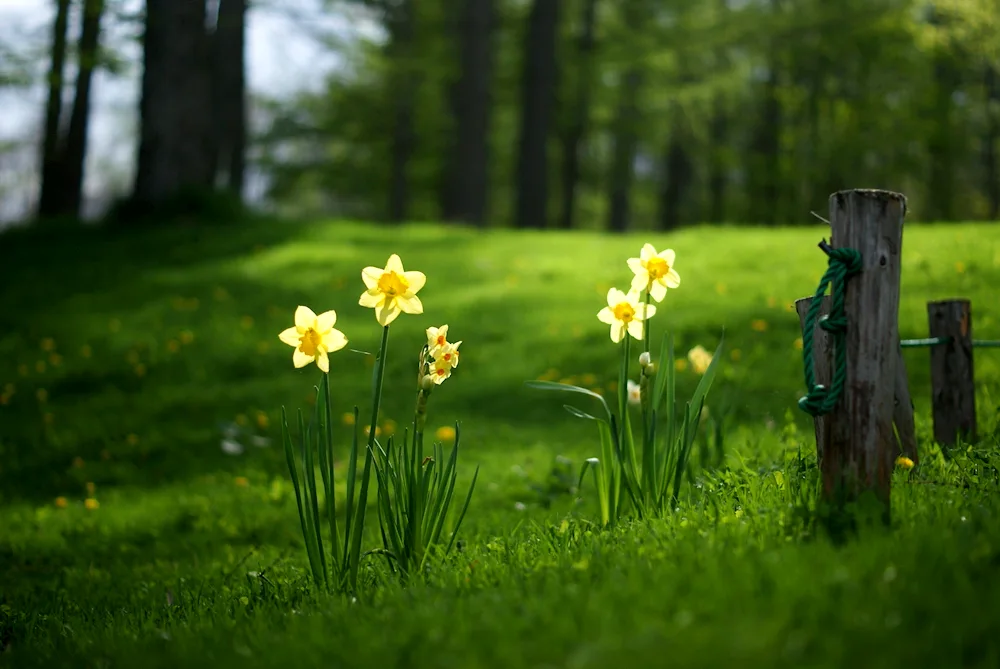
(392,290)
(759,325)
(654,271)
(445,433)
(904,462)
(91,504)
(624,314)
(61,502)
(313,337)
(700,359)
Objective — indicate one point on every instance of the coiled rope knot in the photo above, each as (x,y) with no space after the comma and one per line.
(843,263)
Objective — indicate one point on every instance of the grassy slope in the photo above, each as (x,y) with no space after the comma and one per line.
(180,326)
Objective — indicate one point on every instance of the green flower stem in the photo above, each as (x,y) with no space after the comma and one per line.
(645,326)
(359,521)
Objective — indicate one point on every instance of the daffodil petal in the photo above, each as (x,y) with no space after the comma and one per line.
(410,304)
(290,336)
(617,332)
(645,311)
(635,329)
(300,359)
(304,317)
(647,252)
(415,279)
(640,281)
(371,275)
(658,291)
(323,362)
(635,264)
(326,320)
(605,315)
(371,299)
(672,279)
(394,264)
(387,312)
(615,296)
(334,340)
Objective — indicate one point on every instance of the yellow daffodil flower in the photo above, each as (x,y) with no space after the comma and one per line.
(700,359)
(313,338)
(624,312)
(437,338)
(444,361)
(654,271)
(392,290)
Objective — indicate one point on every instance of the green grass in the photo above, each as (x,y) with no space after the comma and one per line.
(122,356)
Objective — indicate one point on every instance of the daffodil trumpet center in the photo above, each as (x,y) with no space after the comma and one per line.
(624,312)
(310,341)
(657,267)
(393,284)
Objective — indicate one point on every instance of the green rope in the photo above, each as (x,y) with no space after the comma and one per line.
(940,341)
(985,343)
(819,399)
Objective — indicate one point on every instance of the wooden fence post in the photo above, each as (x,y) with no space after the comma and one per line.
(902,412)
(953,390)
(859,455)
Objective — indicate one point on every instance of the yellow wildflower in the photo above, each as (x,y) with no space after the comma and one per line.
(61,502)
(700,359)
(392,290)
(347,418)
(797,344)
(437,338)
(90,488)
(904,462)
(625,313)
(48,344)
(91,504)
(388,427)
(759,325)
(242,481)
(680,364)
(445,433)
(654,271)
(446,360)
(313,338)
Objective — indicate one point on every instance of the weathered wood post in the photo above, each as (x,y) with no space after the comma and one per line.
(953,390)
(859,452)
(902,412)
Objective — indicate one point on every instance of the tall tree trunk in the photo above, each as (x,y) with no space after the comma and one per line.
(576,132)
(53,112)
(763,170)
(75,152)
(626,129)
(538,100)
(991,184)
(466,183)
(229,94)
(717,179)
(176,147)
(677,166)
(401,20)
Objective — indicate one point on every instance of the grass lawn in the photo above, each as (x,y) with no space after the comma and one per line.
(125,361)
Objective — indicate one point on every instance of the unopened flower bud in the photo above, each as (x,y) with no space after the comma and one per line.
(427,383)
(645,359)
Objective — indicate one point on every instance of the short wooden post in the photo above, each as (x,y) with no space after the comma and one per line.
(953,390)
(902,413)
(859,454)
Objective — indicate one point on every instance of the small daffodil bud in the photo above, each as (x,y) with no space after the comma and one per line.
(645,359)
(427,382)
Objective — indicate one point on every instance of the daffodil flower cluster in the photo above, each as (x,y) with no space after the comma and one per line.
(389,291)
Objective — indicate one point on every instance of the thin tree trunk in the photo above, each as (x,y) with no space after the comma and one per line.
(75,153)
(764,165)
(677,179)
(717,180)
(623,156)
(53,113)
(576,133)
(401,20)
(466,183)
(539,88)
(229,91)
(991,184)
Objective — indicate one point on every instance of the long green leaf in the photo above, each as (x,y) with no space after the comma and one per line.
(551,385)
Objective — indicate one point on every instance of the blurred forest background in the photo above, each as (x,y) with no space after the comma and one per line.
(598,114)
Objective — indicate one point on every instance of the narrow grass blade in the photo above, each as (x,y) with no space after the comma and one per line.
(551,385)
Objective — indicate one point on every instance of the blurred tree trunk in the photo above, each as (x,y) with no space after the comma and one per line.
(176,148)
(719,138)
(400,20)
(229,94)
(575,134)
(75,152)
(626,129)
(47,203)
(677,178)
(466,183)
(991,184)
(763,169)
(537,106)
